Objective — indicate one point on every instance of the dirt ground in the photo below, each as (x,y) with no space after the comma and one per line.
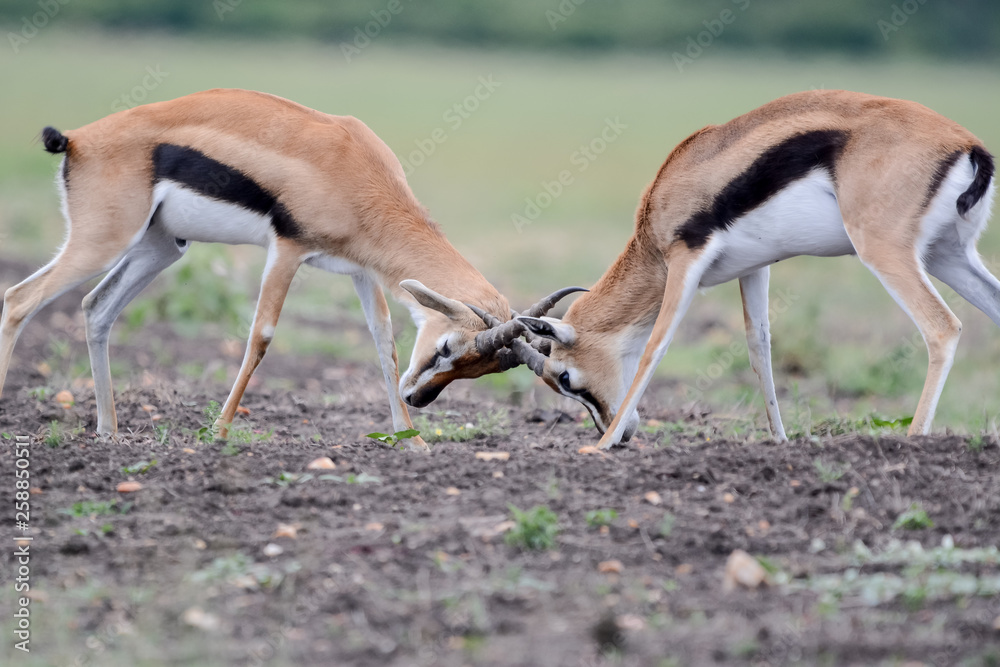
(237,555)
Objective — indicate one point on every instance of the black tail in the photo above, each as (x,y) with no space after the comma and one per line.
(983,162)
(54,140)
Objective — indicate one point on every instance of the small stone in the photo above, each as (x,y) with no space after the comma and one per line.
(188,450)
(684,568)
(322,463)
(288,530)
(35,491)
(148,408)
(653,498)
(742,569)
(728,498)
(129,487)
(610,567)
(498,474)
(631,623)
(65,399)
(492,456)
(200,544)
(271,550)
(452,491)
(196,617)
(589,449)
(374,526)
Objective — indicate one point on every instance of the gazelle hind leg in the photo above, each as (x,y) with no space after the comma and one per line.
(78,262)
(960,267)
(753,290)
(685,268)
(897,266)
(156,251)
(283,260)
(376,311)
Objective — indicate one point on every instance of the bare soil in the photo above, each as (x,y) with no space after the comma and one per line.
(229,555)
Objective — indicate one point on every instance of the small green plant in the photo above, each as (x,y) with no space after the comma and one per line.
(666,525)
(286,479)
(603,517)
(161,432)
(494,423)
(140,468)
(393,439)
(84,508)
(209,432)
(894,424)
(40,393)
(54,434)
(534,529)
(914,518)
(976,442)
(829,472)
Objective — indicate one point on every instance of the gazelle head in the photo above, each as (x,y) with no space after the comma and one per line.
(456,341)
(593,368)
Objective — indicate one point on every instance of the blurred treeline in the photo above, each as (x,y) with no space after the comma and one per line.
(958,28)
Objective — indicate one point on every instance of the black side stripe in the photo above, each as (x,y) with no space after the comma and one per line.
(983,162)
(938,178)
(216,180)
(770,173)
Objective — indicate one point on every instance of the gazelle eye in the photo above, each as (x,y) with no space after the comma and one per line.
(564,381)
(445,350)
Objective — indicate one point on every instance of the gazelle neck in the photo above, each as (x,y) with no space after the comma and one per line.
(628,295)
(420,251)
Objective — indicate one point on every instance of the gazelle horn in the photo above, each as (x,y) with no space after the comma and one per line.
(501,334)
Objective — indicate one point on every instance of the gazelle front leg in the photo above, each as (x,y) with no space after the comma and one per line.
(283,260)
(156,251)
(685,268)
(376,311)
(753,290)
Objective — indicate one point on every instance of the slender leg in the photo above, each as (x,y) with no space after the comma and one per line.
(156,251)
(377,315)
(961,269)
(684,270)
(73,266)
(283,260)
(896,265)
(753,289)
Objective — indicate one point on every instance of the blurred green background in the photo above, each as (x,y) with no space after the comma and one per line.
(558,73)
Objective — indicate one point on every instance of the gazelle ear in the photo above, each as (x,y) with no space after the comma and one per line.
(551,328)
(428,298)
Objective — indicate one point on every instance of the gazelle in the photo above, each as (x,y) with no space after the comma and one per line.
(235,166)
(821,173)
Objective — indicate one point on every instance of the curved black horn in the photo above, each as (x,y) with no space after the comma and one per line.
(546,304)
(528,356)
(499,335)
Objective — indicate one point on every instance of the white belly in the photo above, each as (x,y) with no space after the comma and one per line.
(802,219)
(193,217)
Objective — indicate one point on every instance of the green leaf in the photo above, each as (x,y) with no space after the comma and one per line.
(408,433)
